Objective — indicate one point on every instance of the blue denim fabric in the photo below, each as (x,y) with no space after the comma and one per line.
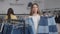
(18,29)
(7,29)
(30,25)
(46,25)
(1,28)
(0,33)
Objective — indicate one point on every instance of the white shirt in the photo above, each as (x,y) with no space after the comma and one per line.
(36,19)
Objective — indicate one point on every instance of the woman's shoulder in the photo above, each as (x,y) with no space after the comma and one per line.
(13,16)
(29,17)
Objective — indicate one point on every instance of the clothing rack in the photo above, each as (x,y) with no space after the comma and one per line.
(19,21)
(14,22)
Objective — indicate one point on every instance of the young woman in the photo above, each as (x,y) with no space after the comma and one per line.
(35,15)
(34,18)
(10,14)
(38,24)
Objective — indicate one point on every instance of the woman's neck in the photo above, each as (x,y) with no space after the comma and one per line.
(35,14)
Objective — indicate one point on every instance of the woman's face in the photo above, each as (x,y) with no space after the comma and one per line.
(35,8)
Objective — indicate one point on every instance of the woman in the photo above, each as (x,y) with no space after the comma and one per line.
(9,27)
(10,14)
(35,15)
(39,24)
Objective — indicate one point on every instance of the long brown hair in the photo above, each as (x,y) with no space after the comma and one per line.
(38,12)
(10,11)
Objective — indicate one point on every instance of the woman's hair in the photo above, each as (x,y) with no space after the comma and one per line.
(10,11)
(38,11)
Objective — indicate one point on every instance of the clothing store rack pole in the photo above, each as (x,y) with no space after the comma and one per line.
(24,26)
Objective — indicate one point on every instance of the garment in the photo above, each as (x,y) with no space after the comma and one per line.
(1,27)
(46,25)
(12,17)
(57,19)
(30,26)
(7,29)
(35,19)
(19,28)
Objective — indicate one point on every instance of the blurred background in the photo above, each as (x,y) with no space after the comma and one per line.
(22,8)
